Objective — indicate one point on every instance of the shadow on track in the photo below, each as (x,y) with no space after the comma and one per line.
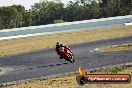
(44,66)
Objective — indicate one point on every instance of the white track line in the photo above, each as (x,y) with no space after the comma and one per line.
(127,24)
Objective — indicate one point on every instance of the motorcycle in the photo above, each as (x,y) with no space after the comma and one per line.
(68,55)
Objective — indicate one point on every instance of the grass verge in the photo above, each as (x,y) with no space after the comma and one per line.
(70,80)
(116,48)
(14,46)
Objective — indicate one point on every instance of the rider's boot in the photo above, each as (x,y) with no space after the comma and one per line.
(61,57)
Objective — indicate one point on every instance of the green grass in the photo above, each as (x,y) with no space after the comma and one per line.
(112,70)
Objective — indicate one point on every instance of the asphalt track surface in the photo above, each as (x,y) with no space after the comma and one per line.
(46,62)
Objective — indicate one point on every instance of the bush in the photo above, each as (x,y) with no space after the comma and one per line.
(58,21)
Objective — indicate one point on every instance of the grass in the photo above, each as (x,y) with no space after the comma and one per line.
(70,80)
(112,48)
(14,46)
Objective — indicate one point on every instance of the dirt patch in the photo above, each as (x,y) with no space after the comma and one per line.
(14,46)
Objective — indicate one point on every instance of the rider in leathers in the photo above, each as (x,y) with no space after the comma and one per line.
(62,49)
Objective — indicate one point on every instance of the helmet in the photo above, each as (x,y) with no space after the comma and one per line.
(57,43)
(61,45)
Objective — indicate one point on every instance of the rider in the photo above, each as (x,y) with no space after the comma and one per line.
(60,48)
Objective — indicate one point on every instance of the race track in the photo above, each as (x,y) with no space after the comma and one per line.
(45,62)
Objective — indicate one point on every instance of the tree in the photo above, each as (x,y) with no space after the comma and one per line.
(94,9)
(25,15)
(46,12)
(27,18)
(126,7)
(9,17)
(73,12)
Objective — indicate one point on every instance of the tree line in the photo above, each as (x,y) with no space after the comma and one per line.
(48,12)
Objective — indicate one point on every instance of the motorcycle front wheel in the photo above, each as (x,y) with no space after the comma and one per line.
(72,59)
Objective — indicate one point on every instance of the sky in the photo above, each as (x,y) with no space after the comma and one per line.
(26,3)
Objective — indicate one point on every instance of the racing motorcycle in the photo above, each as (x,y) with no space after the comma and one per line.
(65,53)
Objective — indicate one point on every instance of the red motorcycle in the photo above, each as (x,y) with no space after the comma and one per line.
(65,53)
